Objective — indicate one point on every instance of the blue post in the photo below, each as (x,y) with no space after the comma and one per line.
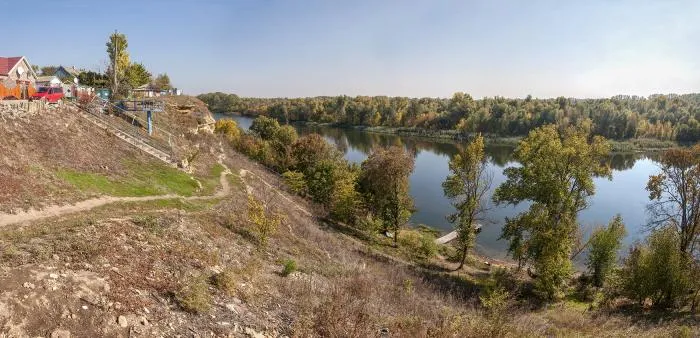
(150,122)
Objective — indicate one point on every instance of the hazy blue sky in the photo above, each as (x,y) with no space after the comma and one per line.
(375,47)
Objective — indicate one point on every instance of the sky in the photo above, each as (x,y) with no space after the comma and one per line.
(431,48)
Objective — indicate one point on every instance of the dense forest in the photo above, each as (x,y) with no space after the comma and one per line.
(662,117)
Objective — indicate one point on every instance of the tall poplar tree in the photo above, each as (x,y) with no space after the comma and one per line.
(466,186)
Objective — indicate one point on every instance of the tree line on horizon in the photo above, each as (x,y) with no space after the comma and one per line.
(662,117)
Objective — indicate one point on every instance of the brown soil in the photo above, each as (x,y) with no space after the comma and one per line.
(119,269)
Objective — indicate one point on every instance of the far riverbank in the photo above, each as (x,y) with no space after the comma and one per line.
(618,146)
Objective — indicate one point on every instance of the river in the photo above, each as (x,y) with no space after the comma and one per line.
(624,194)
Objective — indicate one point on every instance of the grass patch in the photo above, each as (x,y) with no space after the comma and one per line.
(418,245)
(211,182)
(141,180)
(288,266)
(194,296)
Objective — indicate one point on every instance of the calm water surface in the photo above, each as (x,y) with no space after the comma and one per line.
(624,194)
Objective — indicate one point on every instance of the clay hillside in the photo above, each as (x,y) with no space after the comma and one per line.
(98,238)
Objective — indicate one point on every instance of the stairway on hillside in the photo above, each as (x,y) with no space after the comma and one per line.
(95,115)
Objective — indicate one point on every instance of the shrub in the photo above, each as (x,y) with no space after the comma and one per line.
(295,181)
(149,222)
(605,242)
(264,223)
(225,281)
(368,223)
(228,128)
(656,270)
(418,244)
(194,296)
(494,300)
(289,266)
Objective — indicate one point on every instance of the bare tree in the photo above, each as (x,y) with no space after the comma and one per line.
(675,195)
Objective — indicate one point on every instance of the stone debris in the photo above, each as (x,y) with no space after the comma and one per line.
(122,321)
(14,109)
(252,333)
(60,333)
(28,285)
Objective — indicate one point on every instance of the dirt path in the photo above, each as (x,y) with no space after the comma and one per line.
(59,210)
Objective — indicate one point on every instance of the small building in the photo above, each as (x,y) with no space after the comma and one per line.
(48,81)
(76,91)
(145,91)
(148,90)
(67,74)
(17,78)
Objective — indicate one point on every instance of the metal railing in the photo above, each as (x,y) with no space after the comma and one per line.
(129,124)
(142,105)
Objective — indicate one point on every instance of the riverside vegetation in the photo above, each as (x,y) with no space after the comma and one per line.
(246,258)
(558,164)
(630,122)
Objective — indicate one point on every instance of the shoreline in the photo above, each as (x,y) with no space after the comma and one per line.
(639,145)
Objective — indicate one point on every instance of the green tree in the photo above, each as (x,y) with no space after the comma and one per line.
(345,199)
(604,244)
(93,79)
(162,82)
(295,181)
(384,184)
(136,75)
(222,103)
(265,127)
(48,70)
(118,62)
(282,143)
(466,186)
(320,180)
(556,177)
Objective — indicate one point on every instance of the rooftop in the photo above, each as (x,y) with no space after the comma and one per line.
(7,63)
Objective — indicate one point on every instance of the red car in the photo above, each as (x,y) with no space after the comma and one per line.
(50,94)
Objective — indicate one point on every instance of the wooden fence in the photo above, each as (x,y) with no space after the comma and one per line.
(15,91)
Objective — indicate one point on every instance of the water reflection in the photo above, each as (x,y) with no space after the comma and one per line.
(624,194)
(499,155)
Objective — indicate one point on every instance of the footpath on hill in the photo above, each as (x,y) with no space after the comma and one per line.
(86,205)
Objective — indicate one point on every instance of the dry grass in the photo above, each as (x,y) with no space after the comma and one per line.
(194,296)
(226,281)
(169,255)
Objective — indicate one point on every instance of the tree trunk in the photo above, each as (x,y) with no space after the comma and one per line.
(396,237)
(464,258)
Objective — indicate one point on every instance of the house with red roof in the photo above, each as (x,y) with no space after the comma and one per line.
(17,78)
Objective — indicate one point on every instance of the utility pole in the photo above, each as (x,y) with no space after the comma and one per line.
(114,62)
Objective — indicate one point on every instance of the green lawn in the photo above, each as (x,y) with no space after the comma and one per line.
(141,180)
(211,182)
